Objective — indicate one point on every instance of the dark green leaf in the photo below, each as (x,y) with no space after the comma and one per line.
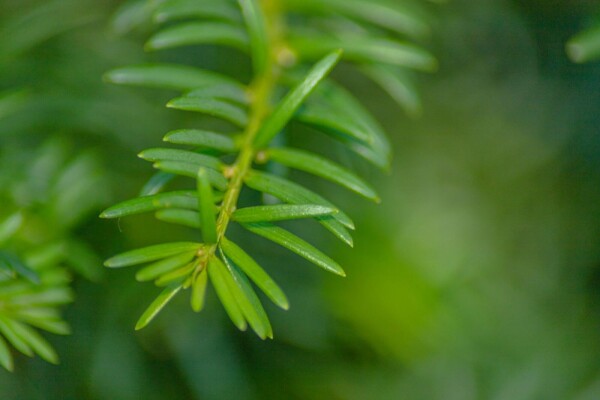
(254,272)
(317,165)
(187,199)
(231,93)
(191,170)
(199,291)
(213,107)
(193,33)
(290,103)
(295,244)
(151,253)
(166,76)
(179,9)
(157,183)
(398,84)
(158,304)
(162,154)
(194,137)
(281,212)
(206,205)
(161,267)
(19,268)
(217,272)
(178,216)
(256,26)
(131,15)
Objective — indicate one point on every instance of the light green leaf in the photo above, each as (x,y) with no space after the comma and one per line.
(158,304)
(178,216)
(295,194)
(55,326)
(191,170)
(256,26)
(156,183)
(7,330)
(187,199)
(195,137)
(166,76)
(254,272)
(10,226)
(47,297)
(295,244)
(34,340)
(281,212)
(213,107)
(317,165)
(179,9)
(294,98)
(230,93)
(194,33)
(248,302)
(199,291)
(585,46)
(162,154)
(131,15)
(178,275)
(6,359)
(161,267)
(151,253)
(206,205)
(217,273)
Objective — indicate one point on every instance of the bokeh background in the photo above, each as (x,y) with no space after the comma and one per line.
(478,276)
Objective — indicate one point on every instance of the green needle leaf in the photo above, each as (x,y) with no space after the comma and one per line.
(157,183)
(6,359)
(290,103)
(213,107)
(7,330)
(295,244)
(295,194)
(193,33)
(195,137)
(151,253)
(254,272)
(223,92)
(398,84)
(317,165)
(206,205)
(281,212)
(158,304)
(10,225)
(39,345)
(217,273)
(178,216)
(199,291)
(248,302)
(187,199)
(191,170)
(161,267)
(259,43)
(178,9)
(166,76)
(162,154)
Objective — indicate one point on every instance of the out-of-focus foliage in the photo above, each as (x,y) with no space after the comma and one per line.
(477,276)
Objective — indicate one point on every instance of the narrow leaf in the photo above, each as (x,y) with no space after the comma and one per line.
(213,107)
(158,304)
(281,212)
(178,216)
(295,244)
(218,274)
(166,76)
(194,137)
(178,199)
(290,103)
(6,359)
(256,26)
(151,253)
(162,154)
(254,272)
(7,330)
(179,9)
(199,291)
(191,170)
(37,343)
(206,205)
(156,183)
(231,93)
(398,84)
(194,33)
(317,165)
(10,225)
(178,275)
(161,267)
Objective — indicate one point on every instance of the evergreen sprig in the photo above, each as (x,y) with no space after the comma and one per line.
(280,37)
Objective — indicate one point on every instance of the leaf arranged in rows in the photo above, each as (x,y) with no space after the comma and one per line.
(199,291)
(249,304)
(178,216)
(179,9)
(230,93)
(34,340)
(294,98)
(254,272)
(259,43)
(7,330)
(130,15)
(151,253)
(218,275)
(213,107)
(158,304)
(365,49)
(11,262)
(194,33)
(320,166)
(191,170)
(5,357)
(164,154)
(206,205)
(295,244)
(166,265)
(395,16)
(166,76)
(281,212)
(179,275)
(398,84)
(195,137)
(156,183)
(187,199)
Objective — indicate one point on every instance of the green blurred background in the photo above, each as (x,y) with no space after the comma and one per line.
(478,276)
